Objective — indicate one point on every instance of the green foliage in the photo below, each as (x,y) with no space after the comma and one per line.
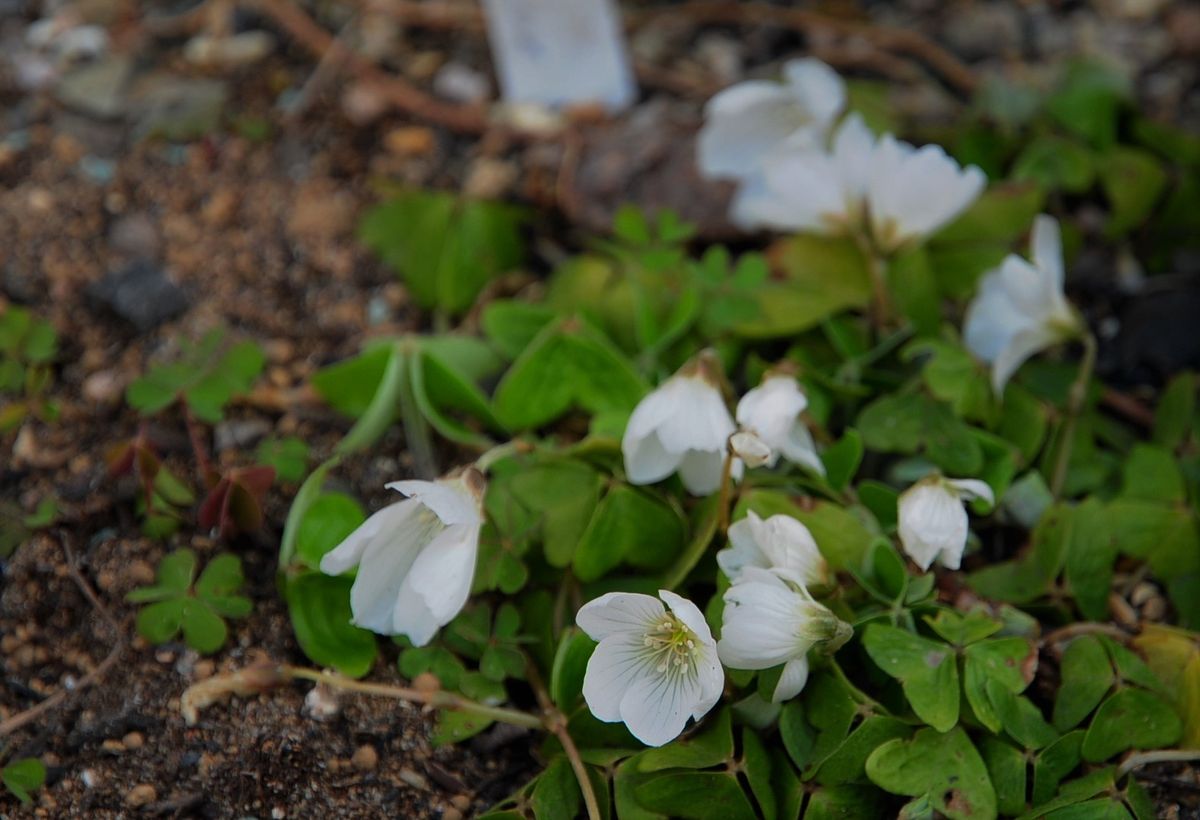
(287,456)
(929,708)
(205,376)
(23,776)
(198,607)
(444,247)
(28,347)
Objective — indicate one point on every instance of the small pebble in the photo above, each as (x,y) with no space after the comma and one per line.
(365,758)
(321,703)
(112,746)
(410,141)
(1122,612)
(141,795)
(1155,609)
(104,388)
(1142,592)
(451,813)
(460,802)
(133,740)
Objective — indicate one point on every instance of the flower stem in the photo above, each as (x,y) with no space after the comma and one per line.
(1076,397)
(416,428)
(879,313)
(726,490)
(1157,756)
(199,449)
(437,698)
(502,451)
(702,535)
(556,723)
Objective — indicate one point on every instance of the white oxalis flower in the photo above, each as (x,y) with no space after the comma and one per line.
(752,450)
(770,619)
(415,558)
(1020,307)
(933,521)
(653,668)
(810,189)
(780,542)
(912,192)
(682,426)
(748,120)
(772,411)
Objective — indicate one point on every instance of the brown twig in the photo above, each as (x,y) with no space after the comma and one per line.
(902,41)
(469,119)
(1127,406)
(31,714)
(1075,630)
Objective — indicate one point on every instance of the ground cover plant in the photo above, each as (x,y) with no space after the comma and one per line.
(837,519)
(830,531)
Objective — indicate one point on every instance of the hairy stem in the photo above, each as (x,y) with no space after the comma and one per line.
(556,723)
(1075,401)
(726,491)
(199,448)
(436,698)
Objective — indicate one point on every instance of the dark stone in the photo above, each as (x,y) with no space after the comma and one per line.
(141,294)
(1157,336)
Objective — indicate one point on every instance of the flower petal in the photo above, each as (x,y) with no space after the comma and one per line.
(795,675)
(818,89)
(744,122)
(646,462)
(616,663)
(689,614)
(701,471)
(448,499)
(443,572)
(383,569)
(972,488)
(619,612)
(1046,249)
(1019,348)
(656,708)
(932,523)
(382,524)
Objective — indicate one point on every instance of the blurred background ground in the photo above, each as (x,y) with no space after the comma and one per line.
(166,167)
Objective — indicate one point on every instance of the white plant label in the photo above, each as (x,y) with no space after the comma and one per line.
(560,52)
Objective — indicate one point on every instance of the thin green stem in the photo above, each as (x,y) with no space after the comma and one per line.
(703,534)
(437,698)
(416,428)
(1076,397)
(502,451)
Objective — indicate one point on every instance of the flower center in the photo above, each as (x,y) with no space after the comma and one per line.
(672,645)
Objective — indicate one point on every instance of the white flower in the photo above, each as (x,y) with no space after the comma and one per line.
(683,426)
(933,521)
(752,450)
(772,411)
(748,120)
(912,192)
(781,542)
(770,619)
(653,669)
(1020,308)
(810,189)
(415,558)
